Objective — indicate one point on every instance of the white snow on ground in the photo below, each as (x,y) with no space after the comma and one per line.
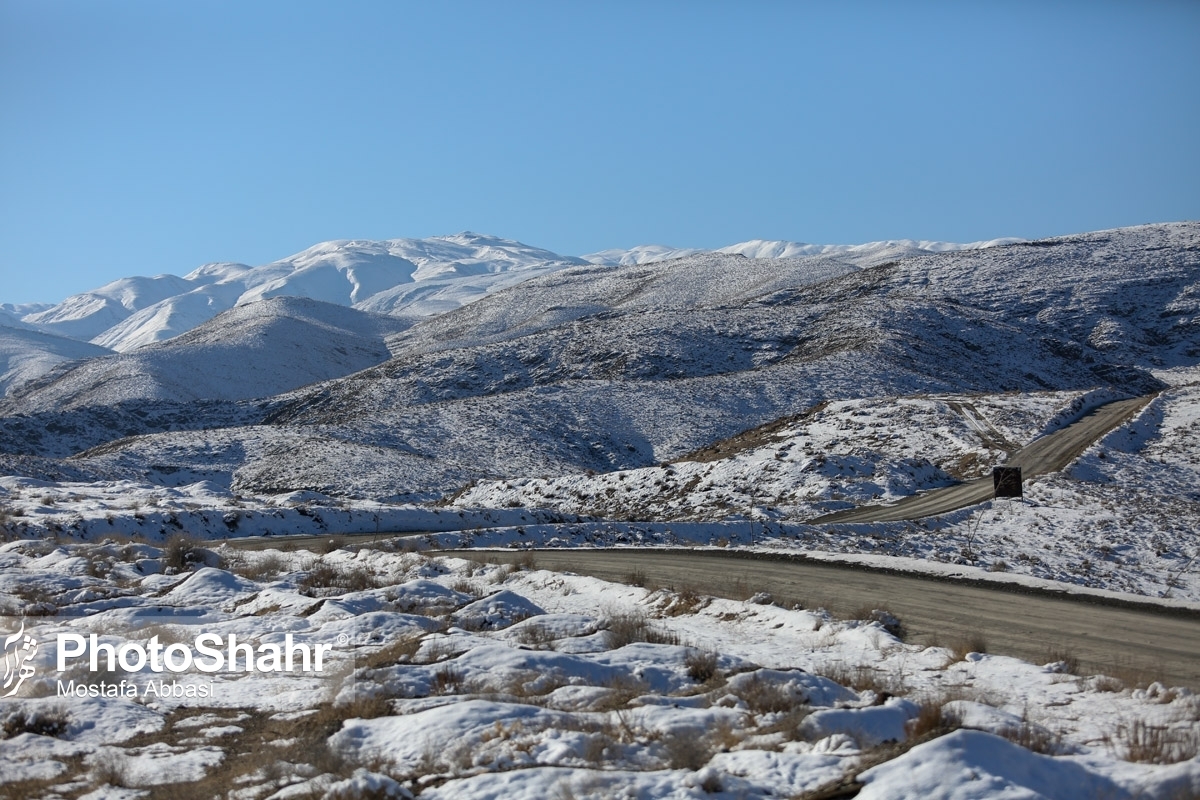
(460,679)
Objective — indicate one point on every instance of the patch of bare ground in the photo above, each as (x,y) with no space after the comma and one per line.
(271,750)
(752,438)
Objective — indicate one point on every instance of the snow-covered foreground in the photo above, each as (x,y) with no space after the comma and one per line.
(448,678)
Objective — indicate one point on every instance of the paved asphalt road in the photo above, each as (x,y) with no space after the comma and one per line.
(1047,454)
(1111,639)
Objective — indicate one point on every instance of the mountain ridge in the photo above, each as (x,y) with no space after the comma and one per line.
(611,368)
(411,277)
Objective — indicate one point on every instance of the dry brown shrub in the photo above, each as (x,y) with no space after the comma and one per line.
(963,646)
(629,627)
(401,650)
(51,722)
(447,680)
(702,666)
(536,635)
(1144,743)
(765,697)
(323,578)
(933,719)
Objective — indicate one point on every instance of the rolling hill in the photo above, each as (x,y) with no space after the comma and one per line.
(594,367)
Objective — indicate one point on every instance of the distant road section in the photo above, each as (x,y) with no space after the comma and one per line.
(1049,453)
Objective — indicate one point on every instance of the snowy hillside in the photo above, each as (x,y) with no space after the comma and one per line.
(861,255)
(132,312)
(254,350)
(27,354)
(406,277)
(612,368)
(609,368)
(86,316)
(704,390)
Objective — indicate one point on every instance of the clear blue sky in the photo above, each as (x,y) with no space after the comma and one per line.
(151,137)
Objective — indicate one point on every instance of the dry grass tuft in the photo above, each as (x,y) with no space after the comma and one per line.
(933,719)
(765,697)
(447,680)
(627,628)
(1144,743)
(702,666)
(400,651)
(257,567)
(182,552)
(50,722)
(965,645)
(323,578)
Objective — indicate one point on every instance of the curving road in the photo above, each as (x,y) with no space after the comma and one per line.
(1135,641)
(1138,641)
(1049,453)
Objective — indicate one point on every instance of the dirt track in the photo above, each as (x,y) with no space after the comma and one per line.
(1048,454)
(1139,643)
(1130,642)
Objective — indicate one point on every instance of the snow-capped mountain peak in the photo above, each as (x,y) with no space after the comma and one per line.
(406,277)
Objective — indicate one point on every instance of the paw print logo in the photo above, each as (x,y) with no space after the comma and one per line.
(17,655)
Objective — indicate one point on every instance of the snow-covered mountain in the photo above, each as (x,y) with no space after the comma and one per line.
(701,390)
(604,368)
(405,277)
(27,354)
(254,350)
(86,316)
(397,276)
(860,255)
